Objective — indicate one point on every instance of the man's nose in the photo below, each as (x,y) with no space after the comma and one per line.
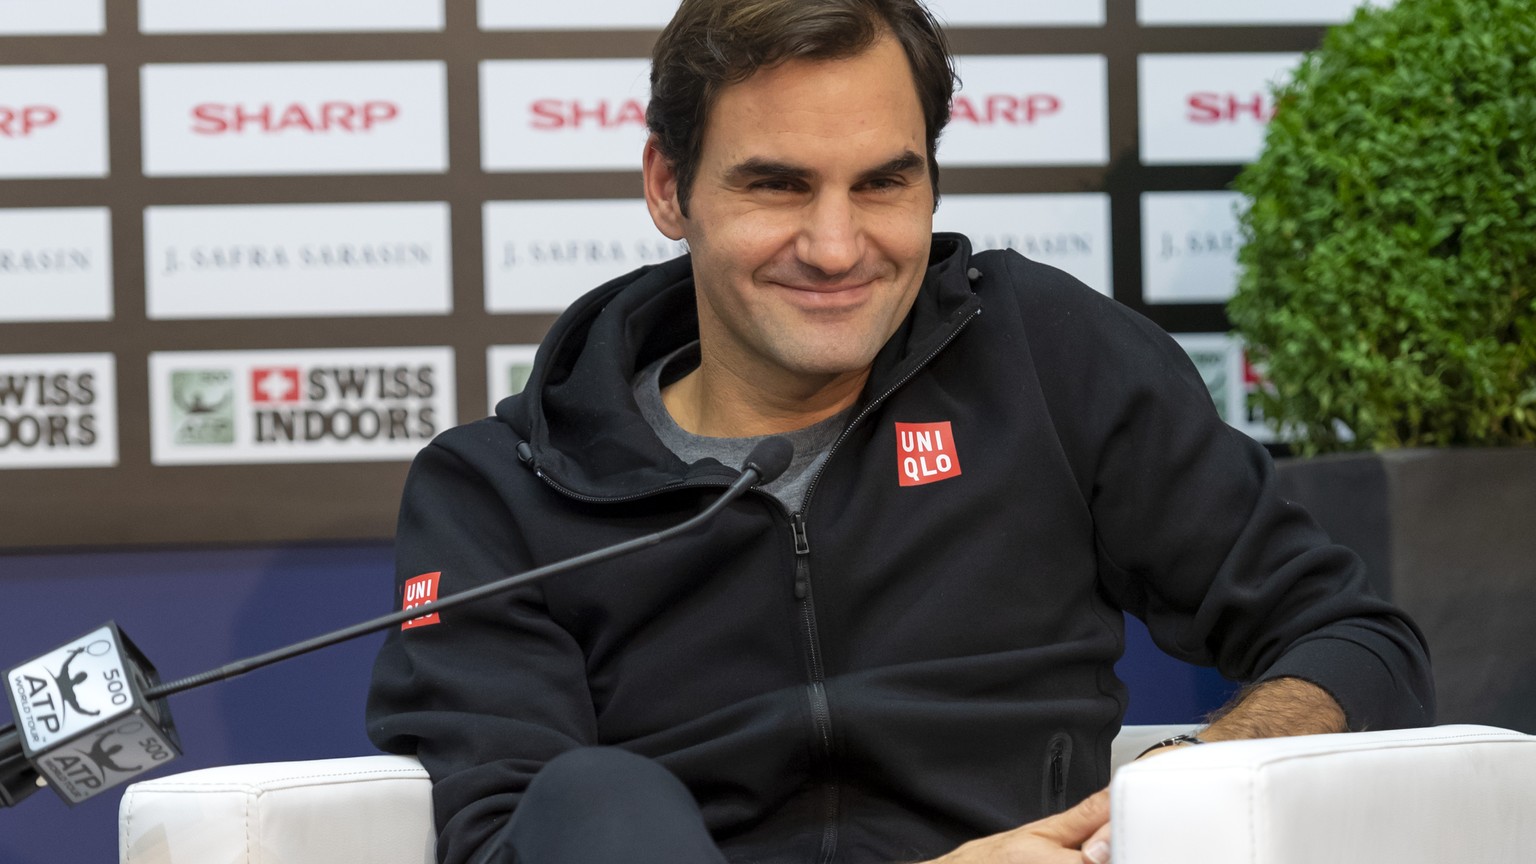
(831,238)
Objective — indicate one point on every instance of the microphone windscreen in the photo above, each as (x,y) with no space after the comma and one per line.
(770,458)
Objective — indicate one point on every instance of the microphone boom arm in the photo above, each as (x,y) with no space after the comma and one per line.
(750,475)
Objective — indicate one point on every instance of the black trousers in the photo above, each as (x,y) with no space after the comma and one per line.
(598,805)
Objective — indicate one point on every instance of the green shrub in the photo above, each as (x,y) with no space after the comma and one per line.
(1388,281)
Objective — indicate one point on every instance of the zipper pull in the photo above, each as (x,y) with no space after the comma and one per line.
(802,564)
(802,545)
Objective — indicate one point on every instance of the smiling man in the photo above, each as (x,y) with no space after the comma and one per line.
(902,649)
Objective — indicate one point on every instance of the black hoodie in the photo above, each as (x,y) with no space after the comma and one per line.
(921,654)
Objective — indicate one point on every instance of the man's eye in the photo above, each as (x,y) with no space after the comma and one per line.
(773,185)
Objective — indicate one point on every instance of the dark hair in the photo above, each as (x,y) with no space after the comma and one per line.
(711,44)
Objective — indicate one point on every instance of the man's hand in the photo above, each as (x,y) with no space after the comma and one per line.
(1052,840)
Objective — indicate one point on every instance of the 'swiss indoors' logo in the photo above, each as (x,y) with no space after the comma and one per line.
(47,410)
(342,404)
(58,410)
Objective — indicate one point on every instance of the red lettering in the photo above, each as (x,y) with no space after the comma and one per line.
(208,119)
(551,114)
(1206,107)
(22,122)
(1041,105)
(261,118)
(598,112)
(217,119)
(337,114)
(631,113)
(1003,108)
(375,113)
(1255,107)
(295,115)
(547,114)
(962,111)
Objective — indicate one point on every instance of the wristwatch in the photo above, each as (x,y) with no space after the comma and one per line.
(1185,738)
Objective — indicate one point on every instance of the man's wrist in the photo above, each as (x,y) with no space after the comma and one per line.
(1173,741)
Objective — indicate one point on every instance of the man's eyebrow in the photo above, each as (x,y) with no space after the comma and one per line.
(907,163)
(757,168)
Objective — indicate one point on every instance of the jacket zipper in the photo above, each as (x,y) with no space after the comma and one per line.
(821,713)
(1058,755)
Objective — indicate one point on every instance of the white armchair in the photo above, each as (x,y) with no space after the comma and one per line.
(1419,796)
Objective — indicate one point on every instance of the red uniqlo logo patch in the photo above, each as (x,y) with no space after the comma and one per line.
(275,384)
(925,453)
(422,589)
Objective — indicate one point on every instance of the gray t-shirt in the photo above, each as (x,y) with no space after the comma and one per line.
(811,443)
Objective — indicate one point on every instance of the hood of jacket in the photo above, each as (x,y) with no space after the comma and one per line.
(577,412)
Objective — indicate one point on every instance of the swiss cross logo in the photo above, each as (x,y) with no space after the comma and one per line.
(925,453)
(422,589)
(275,384)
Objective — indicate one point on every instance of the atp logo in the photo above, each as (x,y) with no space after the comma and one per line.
(106,759)
(67,682)
(203,406)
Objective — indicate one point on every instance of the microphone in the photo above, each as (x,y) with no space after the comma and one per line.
(92,714)
(770,458)
(85,720)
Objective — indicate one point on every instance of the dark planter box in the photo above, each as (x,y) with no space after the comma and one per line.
(1449,536)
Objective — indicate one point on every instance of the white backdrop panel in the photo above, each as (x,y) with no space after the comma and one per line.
(571,115)
(1028,111)
(242,119)
(53,121)
(1069,231)
(56,264)
(288,16)
(297,260)
(1207,108)
(541,255)
(1189,246)
(1212,12)
(51,17)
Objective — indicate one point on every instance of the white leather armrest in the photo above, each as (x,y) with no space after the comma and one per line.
(373,809)
(1464,794)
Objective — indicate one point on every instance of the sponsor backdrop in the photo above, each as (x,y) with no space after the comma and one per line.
(252,257)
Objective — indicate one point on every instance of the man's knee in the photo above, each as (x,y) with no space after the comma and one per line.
(606,780)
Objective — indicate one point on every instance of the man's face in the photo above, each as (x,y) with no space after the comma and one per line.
(810,216)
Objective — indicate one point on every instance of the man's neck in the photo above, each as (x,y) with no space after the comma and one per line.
(714,402)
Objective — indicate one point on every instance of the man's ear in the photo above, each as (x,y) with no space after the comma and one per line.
(661,191)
